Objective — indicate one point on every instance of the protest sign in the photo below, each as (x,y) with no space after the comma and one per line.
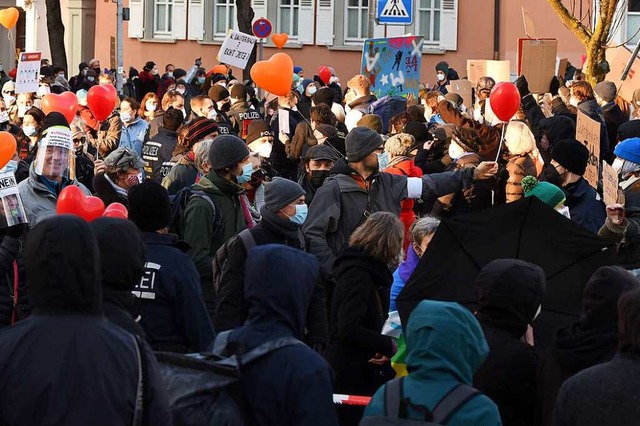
(28,75)
(609,184)
(537,62)
(618,58)
(588,133)
(393,65)
(498,70)
(561,67)
(464,89)
(12,208)
(236,49)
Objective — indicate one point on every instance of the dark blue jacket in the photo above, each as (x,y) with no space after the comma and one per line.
(293,385)
(585,205)
(172,307)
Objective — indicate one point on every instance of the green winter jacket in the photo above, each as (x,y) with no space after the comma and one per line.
(445,346)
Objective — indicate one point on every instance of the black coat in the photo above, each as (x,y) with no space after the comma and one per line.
(105,191)
(157,153)
(614,117)
(279,161)
(9,247)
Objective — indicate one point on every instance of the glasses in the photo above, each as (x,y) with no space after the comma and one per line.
(8,93)
(78,140)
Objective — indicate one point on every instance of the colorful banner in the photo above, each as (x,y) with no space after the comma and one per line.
(393,65)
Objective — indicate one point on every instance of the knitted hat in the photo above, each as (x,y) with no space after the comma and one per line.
(227,151)
(327,130)
(281,192)
(606,90)
(360,142)
(94,61)
(124,159)
(467,138)
(371,121)
(218,93)
(296,70)
(630,129)
(548,193)
(629,149)
(258,129)
(419,131)
(400,144)
(443,66)
(178,73)
(149,206)
(82,66)
(321,152)
(54,119)
(572,155)
(200,128)
(323,96)
(239,91)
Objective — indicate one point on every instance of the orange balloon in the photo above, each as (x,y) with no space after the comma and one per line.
(280,39)
(274,74)
(65,103)
(7,147)
(9,17)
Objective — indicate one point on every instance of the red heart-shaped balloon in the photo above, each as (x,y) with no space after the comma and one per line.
(112,90)
(116,210)
(101,101)
(280,39)
(73,201)
(7,147)
(325,74)
(274,75)
(65,103)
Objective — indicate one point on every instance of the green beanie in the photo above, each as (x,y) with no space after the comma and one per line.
(548,193)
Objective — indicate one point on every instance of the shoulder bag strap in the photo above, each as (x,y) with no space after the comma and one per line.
(452,402)
(247,239)
(267,348)
(392,398)
(137,414)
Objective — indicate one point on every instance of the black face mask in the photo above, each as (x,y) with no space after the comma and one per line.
(552,175)
(97,70)
(318,176)
(226,107)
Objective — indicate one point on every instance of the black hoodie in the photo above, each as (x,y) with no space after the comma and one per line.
(66,364)
(592,340)
(509,293)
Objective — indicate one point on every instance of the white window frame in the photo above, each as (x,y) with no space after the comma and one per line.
(626,35)
(230,16)
(432,9)
(362,32)
(294,18)
(168,31)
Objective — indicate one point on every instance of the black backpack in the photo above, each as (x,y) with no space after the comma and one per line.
(204,389)
(179,203)
(396,407)
(219,261)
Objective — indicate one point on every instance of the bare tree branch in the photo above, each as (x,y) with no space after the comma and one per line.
(574,25)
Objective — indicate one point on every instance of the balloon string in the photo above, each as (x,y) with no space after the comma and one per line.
(501,141)
(13,44)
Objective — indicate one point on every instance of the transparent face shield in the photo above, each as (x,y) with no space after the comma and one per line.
(56,156)
(12,208)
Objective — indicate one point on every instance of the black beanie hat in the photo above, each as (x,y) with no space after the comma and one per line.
(227,151)
(628,130)
(218,93)
(281,192)
(362,141)
(323,96)
(149,206)
(179,73)
(82,66)
(418,130)
(54,119)
(258,129)
(200,128)
(572,155)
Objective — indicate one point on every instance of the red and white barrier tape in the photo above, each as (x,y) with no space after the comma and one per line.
(350,399)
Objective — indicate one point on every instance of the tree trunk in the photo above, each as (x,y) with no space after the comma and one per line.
(55,29)
(596,55)
(245,20)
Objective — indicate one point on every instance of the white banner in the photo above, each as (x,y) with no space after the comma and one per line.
(236,49)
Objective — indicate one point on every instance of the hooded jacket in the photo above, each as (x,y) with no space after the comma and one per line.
(293,385)
(509,293)
(614,117)
(555,128)
(592,340)
(445,347)
(66,360)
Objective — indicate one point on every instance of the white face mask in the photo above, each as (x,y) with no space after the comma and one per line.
(455,151)
(29,130)
(4,116)
(311,90)
(9,99)
(574,102)
(91,79)
(170,74)
(125,117)
(617,165)
(212,115)
(264,150)
(85,71)
(564,211)
(440,77)
(150,106)
(181,91)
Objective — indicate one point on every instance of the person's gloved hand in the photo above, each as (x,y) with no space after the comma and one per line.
(198,62)
(16,231)
(523,86)
(554,86)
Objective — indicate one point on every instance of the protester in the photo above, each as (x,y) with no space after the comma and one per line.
(436,365)
(157,151)
(605,94)
(135,128)
(523,160)
(444,75)
(222,105)
(148,79)
(280,159)
(32,127)
(63,264)
(606,393)
(309,88)
(583,98)
(357,100)
(84,161)
(591,340)
(149,107)
(260,139)
(552,130)
(201,106)
(241,112)
(123,172)
(171,99)
(318,162)
(546,192)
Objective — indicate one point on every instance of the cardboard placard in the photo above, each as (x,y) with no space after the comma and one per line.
(498,70)
(618,58)
(609,184)
(28,76)
(464,89)
(236,49)
(537,62)
(588,133)
(561,67)
(529,25)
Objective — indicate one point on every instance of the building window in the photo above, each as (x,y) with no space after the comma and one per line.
(225,15)
(162,17)
(288,16)
(428,24)
(357,20)
(633,22)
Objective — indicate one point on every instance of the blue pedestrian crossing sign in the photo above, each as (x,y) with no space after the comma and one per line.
(395,12)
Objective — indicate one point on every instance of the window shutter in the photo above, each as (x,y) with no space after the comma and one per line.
(136,18)
(179,20)
(306,24)
(259,9)
(324,30)
(449,25)
(196,20)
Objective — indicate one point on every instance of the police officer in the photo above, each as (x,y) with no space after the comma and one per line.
(241,113)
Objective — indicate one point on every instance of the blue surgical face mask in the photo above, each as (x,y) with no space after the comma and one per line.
(200,80)
(383,161)
(29,130)
(247,171)
(11,167)
(301,214)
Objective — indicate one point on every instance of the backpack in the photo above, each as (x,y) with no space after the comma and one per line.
(386,107)
(204,388)
(395,406)
(219,261)
(179,203)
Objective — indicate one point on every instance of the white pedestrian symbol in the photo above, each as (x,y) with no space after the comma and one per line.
(394,8)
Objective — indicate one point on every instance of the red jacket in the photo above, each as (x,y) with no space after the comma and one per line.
(407,216)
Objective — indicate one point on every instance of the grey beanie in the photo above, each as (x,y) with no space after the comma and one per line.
(606,90)
(281,192)
(362,141)
(227,151)
(124,159)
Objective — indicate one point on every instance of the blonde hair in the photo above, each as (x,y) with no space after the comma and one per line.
(360,83)
(380,236)
(519,139)
(400,144)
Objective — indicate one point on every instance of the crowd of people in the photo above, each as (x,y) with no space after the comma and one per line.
(303,216)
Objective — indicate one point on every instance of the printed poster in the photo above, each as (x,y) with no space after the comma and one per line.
(12,209)
(28,75)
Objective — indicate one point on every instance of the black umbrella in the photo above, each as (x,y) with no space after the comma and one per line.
(528,230)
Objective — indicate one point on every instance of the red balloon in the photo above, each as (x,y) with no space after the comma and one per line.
(325,74)
(65,103)
(116,210)
(112,90)
(505,100)
(73,201)
(101,101)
